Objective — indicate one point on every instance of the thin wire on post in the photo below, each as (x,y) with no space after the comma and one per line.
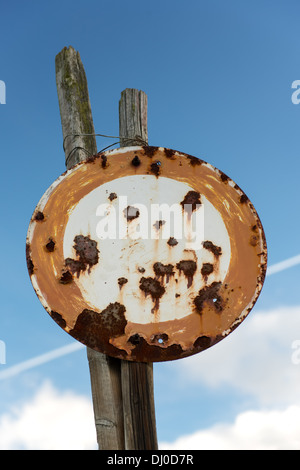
(137,139)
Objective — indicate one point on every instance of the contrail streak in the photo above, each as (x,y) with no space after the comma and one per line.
(288,263)
(70,348)
(38,360)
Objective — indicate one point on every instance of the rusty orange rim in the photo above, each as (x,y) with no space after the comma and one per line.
(150,302)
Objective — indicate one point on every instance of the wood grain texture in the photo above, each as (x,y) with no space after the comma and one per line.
(138,406)
(107,400)
(76,118)
(75,108)
(133,117)
(137,378)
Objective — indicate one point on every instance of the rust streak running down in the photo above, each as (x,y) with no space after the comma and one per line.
(188,267)
(209,294)
(145,296)
(131,213)
(191,199)
(87,254)
(152,287)
(162,270)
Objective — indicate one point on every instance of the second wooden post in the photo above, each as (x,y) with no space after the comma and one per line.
(136,378)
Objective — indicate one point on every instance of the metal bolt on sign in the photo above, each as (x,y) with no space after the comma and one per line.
(146,254)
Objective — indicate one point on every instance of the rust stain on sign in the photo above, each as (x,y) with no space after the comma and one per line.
(113,270)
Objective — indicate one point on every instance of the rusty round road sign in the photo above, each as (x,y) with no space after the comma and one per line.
(146,253)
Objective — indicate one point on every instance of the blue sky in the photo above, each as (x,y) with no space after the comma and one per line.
(218,77)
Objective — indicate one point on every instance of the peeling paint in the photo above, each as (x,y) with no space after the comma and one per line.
(50,246)
(188,267)
(192,199)
(39,216)
(136,161)
(209,294)
(172,241)
(30,265)
(154,299)
(131,213)
(152,287)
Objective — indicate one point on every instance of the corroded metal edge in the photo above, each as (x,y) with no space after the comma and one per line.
(141,350)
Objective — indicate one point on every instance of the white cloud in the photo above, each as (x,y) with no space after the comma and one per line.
(52,420)
(64,421)
(251,430)
(256,359)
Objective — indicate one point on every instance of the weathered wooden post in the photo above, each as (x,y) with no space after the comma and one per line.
(195,291)
(122,392)
(137,378)
(76,118)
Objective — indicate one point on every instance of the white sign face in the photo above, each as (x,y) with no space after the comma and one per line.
(129,247)
(146,254)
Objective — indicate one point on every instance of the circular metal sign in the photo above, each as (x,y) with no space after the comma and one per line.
(146,253)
